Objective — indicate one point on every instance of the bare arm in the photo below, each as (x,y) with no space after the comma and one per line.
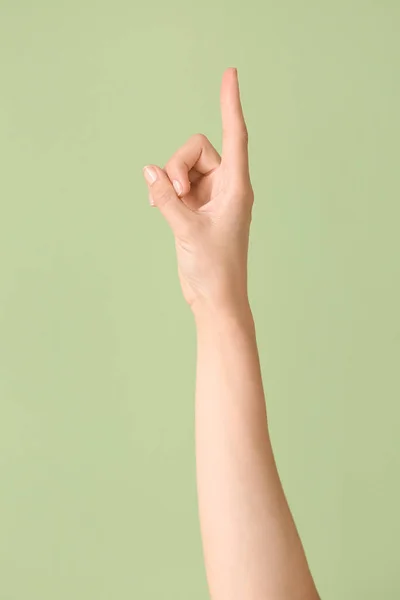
(251,546)
(252,550)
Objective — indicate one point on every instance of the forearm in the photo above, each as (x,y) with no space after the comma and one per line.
(251,547)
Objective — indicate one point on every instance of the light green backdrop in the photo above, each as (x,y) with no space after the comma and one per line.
(97,348)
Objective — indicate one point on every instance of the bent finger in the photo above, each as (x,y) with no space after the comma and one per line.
(197,155)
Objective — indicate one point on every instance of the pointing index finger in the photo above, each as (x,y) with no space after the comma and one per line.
(234,129)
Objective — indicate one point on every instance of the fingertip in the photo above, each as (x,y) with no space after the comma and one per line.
(230,93)
(178,187)
(180,182)
(150,174)
(230,77)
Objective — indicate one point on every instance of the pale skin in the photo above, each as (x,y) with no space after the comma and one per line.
(252,550)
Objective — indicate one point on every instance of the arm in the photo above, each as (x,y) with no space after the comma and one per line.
(251,547)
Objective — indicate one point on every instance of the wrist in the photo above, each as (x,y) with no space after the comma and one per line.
(208,314)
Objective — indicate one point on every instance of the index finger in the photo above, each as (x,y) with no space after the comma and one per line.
(234,129)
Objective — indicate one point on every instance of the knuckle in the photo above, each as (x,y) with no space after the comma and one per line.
(171,164)
(200,139)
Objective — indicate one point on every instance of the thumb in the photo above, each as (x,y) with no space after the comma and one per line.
(164,197)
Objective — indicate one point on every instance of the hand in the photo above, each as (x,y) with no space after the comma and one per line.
(207,200)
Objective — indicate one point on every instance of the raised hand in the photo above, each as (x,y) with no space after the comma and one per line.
(207,200)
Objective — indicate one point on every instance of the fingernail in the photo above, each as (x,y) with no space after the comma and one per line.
(151,200)
(177,186)
(150,175)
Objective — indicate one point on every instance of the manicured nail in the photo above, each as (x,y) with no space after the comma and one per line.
(177,186)
(150,175)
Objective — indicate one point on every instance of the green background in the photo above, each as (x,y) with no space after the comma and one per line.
(97,347)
